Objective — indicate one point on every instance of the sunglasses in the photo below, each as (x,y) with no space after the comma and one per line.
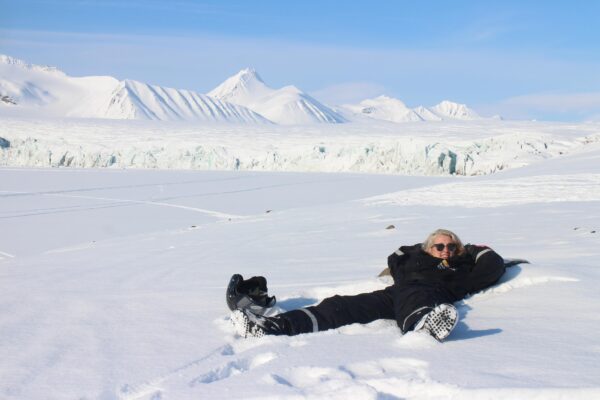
(449,246)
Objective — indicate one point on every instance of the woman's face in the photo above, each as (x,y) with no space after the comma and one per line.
(443,247)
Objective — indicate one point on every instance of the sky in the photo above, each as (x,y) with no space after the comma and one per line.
(518,59)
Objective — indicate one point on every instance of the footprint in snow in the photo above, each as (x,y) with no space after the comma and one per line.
(233,368)
(152,388)
(365,379)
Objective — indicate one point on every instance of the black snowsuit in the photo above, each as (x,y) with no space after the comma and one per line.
(421,282)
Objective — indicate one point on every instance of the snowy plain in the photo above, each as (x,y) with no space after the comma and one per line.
(113,278)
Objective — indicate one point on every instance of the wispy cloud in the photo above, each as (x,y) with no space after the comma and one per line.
(348,92)
(558,102)
(551,106)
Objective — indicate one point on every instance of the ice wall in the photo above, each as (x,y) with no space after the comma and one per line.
(225,148)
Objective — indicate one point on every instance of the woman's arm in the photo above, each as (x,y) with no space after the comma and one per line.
(397,261)
(394,262)
(488,268)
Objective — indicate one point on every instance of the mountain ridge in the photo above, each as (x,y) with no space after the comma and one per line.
(242,98)
(287,105)
(49,91)
(391,109)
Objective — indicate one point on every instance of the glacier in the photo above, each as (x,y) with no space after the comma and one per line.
(443,148)
(50,119)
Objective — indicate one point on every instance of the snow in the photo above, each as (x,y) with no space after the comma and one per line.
(448,109)
(45,91)
(241,88)
(34,91)
(113,279)
(387,108)
(287,105)
(244,98)
(137,100)
(118,237)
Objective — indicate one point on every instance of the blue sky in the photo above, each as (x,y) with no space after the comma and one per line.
(519,59)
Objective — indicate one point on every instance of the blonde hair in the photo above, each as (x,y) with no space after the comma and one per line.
(460,248)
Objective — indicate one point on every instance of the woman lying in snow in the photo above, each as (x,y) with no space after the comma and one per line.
(428,278)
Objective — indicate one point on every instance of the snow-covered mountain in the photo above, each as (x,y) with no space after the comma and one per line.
(245,87)
(288,105)
(27,85)
(385,108)
(426,114)
(137,100)
(391,109)
(450,110)
(243,98)
(49,91)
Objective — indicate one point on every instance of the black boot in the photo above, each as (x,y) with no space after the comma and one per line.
(251,293)
(439,322)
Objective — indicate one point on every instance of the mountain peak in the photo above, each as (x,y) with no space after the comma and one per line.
(287,105)
(138,100)
(454,110)
(450,104)
(248,74)
(384,108)
(8,60)
(392,109)
(4,59)
(240,87)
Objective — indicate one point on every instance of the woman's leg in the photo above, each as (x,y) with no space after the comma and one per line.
(337,311)
(412,302)
(406,304)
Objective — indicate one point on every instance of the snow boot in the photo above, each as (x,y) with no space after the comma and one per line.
(250,324)
(439,322)
(251,293)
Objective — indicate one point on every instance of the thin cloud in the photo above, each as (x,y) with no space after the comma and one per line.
(558,102)
(552,106)
(348,92)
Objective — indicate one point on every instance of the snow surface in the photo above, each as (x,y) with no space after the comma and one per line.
(113,279)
